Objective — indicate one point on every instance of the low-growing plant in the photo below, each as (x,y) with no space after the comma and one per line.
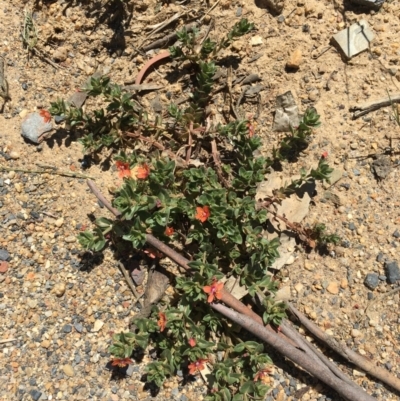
(208,213)
(220,229)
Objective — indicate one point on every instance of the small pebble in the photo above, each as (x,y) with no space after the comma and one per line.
(35,394)
(371,281)
(392,272)
(4,254)
(59,289)
(295,60)
(68,370)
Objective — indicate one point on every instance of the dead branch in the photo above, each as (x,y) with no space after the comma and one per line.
(350,392)
(362,109)
(350,355)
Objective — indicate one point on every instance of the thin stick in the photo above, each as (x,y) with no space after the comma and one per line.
(362,109)
(350,392)
(7,340)
(61,173)
(128,280)
(347,353)
(167,39)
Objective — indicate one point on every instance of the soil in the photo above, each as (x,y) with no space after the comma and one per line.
(78,37)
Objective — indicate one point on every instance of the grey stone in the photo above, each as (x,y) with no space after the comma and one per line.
(371,4)
(396,234)
(35,394)
(352,226)
(34,127)
(371,281)
(59,119)
(129,370)
(78,327)
(67,328)
(354,39)
(392,272)
(4,254)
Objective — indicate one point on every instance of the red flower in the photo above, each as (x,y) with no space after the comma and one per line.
(263,376)
(141,172)
(169,231)
(192,342)
(123,169)
(196,366)
(202,213)
(162,321)
(121,362)
(46,115)
(214,290)
(324,154)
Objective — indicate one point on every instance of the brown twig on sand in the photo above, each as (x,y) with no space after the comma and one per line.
(61,173)
(217,162)
(350,392)
(158,44)
(362,109)
(350,355)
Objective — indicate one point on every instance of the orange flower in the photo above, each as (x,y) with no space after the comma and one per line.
(263,375)
(251,127)
(123,169)
(192,342)
(198,365)
(169,231)
(121,362)
(46,115)
(214,290)
(141,172)
(324,154)
(202,213)
(162,321)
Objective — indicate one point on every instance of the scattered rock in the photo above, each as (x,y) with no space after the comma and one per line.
(3,266)
(371,4)
(78,327)
(333,287)
(295,60)
(396,234)
(356,333)
(35,394)
(392,272)
(98,324)
(283,294)
(14,155)
(371,281)
(335,176)
(59,289)
(45,344)
(4,254)
(256,40)
(32,303)
(34,127)
(68,370)
(59,222)
(354,39)
(60,54)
